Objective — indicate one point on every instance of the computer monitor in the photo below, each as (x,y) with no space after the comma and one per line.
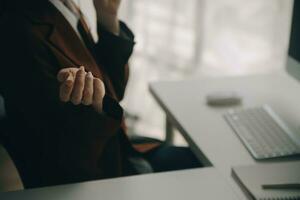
(293,61)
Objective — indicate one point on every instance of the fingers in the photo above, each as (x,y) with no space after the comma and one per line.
(99,92)
(88,91)
(78,87)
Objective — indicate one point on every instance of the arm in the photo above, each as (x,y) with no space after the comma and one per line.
(115,45)
(113,53)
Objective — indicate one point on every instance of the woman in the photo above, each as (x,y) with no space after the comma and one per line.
(62,76)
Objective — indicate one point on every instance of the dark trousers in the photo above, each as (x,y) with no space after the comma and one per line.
(169,158)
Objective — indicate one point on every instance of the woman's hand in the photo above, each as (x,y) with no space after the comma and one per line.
(107,12)
(80,87)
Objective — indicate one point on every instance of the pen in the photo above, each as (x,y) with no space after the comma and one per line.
(291,186)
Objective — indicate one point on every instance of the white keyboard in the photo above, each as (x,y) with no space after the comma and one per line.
(263,133)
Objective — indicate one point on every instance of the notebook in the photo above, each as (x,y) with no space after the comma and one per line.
(252,179)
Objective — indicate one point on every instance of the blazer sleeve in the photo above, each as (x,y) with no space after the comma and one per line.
(112,53)
(74,136)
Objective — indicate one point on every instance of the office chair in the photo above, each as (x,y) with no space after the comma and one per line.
(9,177)
(140,143)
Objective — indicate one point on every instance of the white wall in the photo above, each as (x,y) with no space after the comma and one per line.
(180,39)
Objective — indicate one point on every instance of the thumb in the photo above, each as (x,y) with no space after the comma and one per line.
(65,74)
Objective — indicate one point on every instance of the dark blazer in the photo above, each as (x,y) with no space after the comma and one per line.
(52,142)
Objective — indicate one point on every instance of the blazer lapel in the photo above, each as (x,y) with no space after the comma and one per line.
(62,37)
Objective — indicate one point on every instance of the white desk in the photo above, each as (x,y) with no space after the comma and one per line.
(209,136)
(204,184)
